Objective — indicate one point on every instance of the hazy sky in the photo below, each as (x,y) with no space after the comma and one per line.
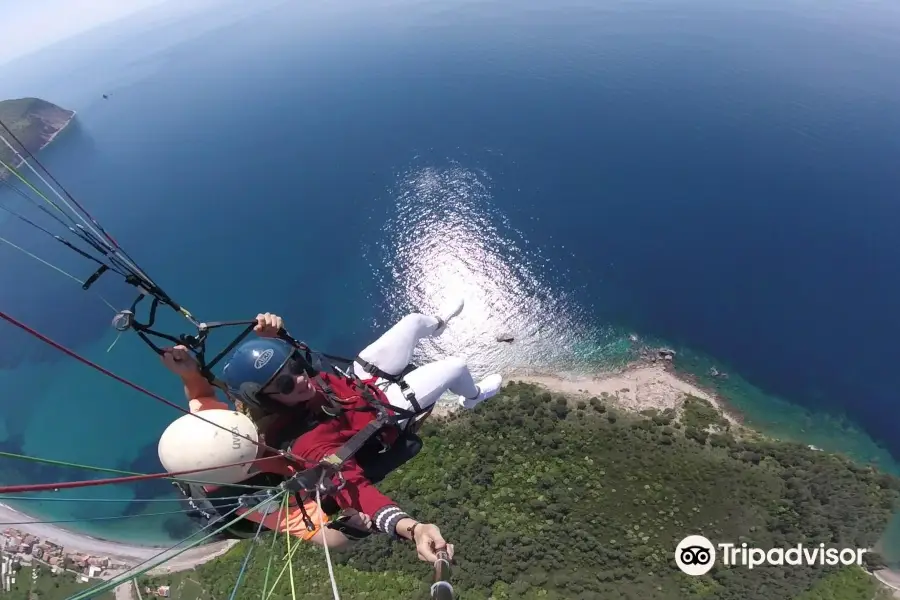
(29,25)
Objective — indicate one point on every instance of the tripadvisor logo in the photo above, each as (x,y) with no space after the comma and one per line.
(696,555)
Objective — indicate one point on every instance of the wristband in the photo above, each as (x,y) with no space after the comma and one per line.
(386,518)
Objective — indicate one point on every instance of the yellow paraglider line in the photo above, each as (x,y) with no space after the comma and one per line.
(331,577)
(142,568)
(291,565)
(281,511)
(31,187)
(288,562)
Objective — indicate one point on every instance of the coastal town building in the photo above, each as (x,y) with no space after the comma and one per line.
(21,548)
(8,567)
(92,572)
(161,591)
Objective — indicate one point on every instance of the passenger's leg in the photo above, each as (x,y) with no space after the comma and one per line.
(393,351)
(429,382)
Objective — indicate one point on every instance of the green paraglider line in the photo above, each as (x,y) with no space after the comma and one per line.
(121,263)
(88,519)
(116,581)
(55,268)
(33,189)
(246,561)
(95,229)
(50,342)
(288,562)
(36,204)
(57,499)
(62,463)
(283,508)
(41,260)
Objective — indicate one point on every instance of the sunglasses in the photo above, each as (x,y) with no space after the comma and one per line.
(286,382)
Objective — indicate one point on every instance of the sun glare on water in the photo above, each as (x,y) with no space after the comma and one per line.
(443,239)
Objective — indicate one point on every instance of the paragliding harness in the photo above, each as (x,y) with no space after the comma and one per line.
(112,257)
(376,458)
(375,461)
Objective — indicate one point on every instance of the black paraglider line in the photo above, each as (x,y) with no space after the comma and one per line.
(92,500)
(137,277)
(106,518)
(35,160)
(143,390)
(94,591)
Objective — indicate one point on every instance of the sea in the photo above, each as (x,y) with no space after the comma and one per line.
(716,177)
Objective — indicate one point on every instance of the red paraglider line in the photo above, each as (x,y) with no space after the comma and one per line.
(67,485)
(143,390)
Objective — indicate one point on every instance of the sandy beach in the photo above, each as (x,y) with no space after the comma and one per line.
(890,579)
(129,554)
(638,387)
(58,131)
(635,388)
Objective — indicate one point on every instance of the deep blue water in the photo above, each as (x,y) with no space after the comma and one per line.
(717,177)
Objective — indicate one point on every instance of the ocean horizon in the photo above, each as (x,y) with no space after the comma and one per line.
(715,179)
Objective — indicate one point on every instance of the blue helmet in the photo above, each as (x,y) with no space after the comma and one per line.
(253,365)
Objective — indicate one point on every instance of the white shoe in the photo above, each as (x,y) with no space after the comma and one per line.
(447,313)
(487,387)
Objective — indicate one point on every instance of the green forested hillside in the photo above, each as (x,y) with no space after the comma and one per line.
(44,585)
(32,121)
(548,499)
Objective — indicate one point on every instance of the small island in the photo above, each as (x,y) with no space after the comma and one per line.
(34,122)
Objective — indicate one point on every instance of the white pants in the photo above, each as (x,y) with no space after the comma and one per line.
(393,351)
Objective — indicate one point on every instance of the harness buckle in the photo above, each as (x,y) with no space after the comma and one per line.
(262,497)
(339,486)
(304,481)
(123,320)
(326,485)
(410,395)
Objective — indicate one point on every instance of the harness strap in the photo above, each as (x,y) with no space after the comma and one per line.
(144,329)
(237,340)
(149,342)
(374,370)
(337,459)
(307,521)
(340,524)
(126,319)
(95,276)
(377,405)
(333,400)
(314,478)
(398,379)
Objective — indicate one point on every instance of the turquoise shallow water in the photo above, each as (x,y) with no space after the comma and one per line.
(578,172)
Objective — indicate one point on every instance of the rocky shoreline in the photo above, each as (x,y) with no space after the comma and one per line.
(649,383)
(34,122)
(119,556)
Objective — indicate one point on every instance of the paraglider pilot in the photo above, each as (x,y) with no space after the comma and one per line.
(314,416)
